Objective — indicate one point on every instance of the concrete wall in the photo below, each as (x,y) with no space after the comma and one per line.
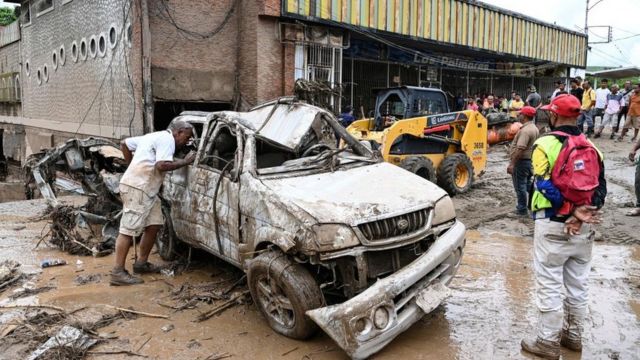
(96,87)
(189,62)
(192,63)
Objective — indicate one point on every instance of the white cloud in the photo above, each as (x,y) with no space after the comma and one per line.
(622,15)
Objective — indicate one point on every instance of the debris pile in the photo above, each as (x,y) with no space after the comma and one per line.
(47,332)
(223,294)
(9,273)
(71,232)
(92,167)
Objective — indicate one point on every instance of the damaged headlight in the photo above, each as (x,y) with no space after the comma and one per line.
(444,211)
(334,236)
(381,317)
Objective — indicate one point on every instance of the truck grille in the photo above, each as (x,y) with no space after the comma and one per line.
(386,262)
(395,226)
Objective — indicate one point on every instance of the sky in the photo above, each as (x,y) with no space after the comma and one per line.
(622,15)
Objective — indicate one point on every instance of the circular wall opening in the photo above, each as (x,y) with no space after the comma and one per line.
(93,46)
(102,45)
(39,76)
(83,49)
(128,35)
(26,68)
(74,51)
(62,56)
(113,36)
(54,60)
(45,73)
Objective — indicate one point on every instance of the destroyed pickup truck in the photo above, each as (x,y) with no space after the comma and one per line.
(327,235)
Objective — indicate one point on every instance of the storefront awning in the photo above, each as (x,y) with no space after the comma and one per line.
(618,73)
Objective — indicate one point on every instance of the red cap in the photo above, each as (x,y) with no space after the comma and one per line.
(564,105)
(528,111)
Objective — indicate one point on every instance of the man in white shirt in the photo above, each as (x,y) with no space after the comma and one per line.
(615,102)
(601,99)
(559,89)
(149,156)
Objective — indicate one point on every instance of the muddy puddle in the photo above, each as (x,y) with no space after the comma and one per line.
(491,309)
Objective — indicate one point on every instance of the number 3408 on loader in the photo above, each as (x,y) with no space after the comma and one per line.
(413,128)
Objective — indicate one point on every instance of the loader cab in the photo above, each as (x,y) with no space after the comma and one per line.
(407,102)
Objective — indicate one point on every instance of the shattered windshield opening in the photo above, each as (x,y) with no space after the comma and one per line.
(326,146)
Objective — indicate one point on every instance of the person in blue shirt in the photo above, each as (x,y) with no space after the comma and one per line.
(346,117)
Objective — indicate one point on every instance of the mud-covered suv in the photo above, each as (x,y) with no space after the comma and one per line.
(328,234)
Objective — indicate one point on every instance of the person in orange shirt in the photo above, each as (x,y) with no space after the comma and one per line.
(633,116)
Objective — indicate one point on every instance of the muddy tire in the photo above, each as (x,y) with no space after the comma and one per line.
(283,291)
(420,166)
(169,247)
(455,174)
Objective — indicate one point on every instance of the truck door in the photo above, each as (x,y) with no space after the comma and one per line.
(213,220)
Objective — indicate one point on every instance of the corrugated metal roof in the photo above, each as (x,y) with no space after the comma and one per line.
(465,23)
(618,73)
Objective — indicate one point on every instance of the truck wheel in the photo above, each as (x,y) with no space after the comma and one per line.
(420,166)
(283,290)
(455,174)
(169,247)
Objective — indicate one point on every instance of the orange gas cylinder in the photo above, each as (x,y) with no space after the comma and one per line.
(506,133)
(513,129)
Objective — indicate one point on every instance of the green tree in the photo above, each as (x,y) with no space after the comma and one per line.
(7,16)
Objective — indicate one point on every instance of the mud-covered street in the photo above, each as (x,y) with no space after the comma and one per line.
(490,310)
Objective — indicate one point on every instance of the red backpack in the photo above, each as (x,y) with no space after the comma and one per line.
(576,172)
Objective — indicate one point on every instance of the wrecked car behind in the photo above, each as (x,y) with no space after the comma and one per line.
(327,235)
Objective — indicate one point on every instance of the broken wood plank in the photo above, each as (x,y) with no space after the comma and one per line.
(289,352)
(220,308)
(141,313)
(218,356)
(117,352)
(32,307)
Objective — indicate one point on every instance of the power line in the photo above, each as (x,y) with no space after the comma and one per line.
(610,57)
(625,38)
(166,14)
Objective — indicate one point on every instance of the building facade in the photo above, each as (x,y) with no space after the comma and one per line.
(115,68)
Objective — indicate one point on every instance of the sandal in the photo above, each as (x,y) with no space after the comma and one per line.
(634,212)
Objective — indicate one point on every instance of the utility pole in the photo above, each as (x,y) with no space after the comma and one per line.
(586,19)
(586,15)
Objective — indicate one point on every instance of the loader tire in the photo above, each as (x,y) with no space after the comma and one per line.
(284,291)
(420,166)
(455,174)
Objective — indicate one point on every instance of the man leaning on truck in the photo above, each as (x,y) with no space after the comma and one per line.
(149,157)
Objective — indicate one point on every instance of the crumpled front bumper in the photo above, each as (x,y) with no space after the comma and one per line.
(354,326)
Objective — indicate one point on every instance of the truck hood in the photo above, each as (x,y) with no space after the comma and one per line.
(357,195)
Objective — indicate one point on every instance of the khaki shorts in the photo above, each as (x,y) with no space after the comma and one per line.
(632,122)
(139,210)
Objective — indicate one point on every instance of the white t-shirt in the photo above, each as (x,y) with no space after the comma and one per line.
(147,151)
(601,97)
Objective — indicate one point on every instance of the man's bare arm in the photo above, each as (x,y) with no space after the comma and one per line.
(176,164)
(128,155)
